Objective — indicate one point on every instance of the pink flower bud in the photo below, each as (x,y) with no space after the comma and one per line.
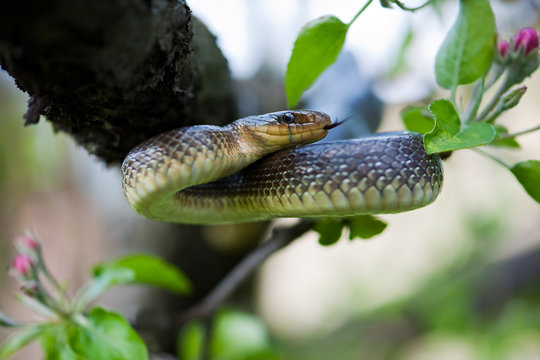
(27,241)
(526,38)
(503,47)
(22,265)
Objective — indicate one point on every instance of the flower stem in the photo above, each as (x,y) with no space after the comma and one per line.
(489,156)
(493,102)
(403,7)
(476,99)
(360,12)
(36,306)
(494,115)
(494,75)
(522,132)
(63,301)
(453,96)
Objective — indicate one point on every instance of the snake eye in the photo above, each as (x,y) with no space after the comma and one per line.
(287,118)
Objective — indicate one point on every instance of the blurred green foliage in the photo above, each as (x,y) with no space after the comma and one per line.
(235,335)
(471,305)
(30,157)
(472,300)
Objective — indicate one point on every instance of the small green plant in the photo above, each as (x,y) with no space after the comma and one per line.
(75,328)
(469,54)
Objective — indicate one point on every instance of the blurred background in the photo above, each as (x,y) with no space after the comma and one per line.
(459,279)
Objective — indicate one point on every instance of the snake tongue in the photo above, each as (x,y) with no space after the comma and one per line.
(336,123)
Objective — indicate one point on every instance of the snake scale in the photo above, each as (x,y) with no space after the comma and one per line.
(266,166)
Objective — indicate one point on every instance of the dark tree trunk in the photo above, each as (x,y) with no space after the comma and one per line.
(114,73)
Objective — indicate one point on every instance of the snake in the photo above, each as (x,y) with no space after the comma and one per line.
(269,166)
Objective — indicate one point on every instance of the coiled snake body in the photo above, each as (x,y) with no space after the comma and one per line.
(238,173)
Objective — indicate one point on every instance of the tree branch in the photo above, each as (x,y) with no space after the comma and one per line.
(281,237)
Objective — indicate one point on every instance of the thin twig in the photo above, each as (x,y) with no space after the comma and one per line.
(489,156)
(360,11)
(281,237)
(522,132)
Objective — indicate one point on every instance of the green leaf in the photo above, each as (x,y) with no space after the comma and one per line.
(417,119)
(316,48)
(501,140)
(235,336)
(467,51)
(106,335)
(55,346)
(20,339)
(148,270)
(447,136)
(238,335)
(101,283)
(528,174)
(365,226)
(329,231)
(191,341)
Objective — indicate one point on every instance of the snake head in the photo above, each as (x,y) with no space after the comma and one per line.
(278,130)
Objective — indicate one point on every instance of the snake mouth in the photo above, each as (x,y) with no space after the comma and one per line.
(275,131)
(289,128)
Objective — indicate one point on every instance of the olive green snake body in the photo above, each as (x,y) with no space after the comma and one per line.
(264,166)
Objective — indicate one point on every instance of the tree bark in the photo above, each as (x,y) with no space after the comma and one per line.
(114,73)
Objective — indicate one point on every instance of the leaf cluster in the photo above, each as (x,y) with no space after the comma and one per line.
(467,55)
(93,332)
